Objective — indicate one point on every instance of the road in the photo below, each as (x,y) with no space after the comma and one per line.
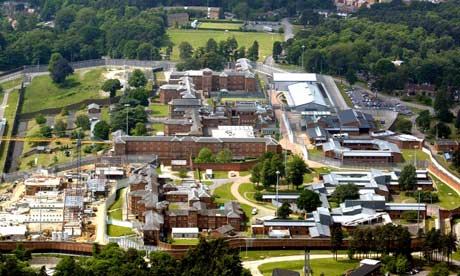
(333,92)
(253,266)
(288,29)
(262,211)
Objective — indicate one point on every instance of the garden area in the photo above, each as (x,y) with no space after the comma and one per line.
(327,266)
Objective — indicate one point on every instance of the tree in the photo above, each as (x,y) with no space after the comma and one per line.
(441,106)
(67,267)
(162,264)
(101,130)
(59,68)
(224,156)
(213,61)
(146,51)
(284,210)
(139,130)
(111,86)
(440,269)
(40,119)
(140,94)
(202,260)
(456,159)
(83,122)
(185,50)
(277,50)
(423,120)
(383,66)
(205,156)
(457,120)
(211,45)
(135,115)
(60,128)
(255,173)
(296,168)
(137,79)
(351,77)
(336,239)
(403,125)
(253,51)
(22,253)
(441,130)
(45,131)
(308,201)
(408,178)
(347,191)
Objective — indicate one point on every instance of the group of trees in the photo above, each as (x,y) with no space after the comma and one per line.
(426,42)
(436,244)
(343,192)
(83,30)
(207,258)
(213,54)
(206,156)
(265,170)
(408,178)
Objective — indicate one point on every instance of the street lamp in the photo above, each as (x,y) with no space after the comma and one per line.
(418,209)
(415,157)
(127,107)
(303,50)
(277,183)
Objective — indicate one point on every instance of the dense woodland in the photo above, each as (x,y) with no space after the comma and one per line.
(426,37)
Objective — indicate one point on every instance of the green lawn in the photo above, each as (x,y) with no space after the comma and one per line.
(244,173)
(42,93)
(327,266)
(11,83)
(186,241)
(263,254)
(408,155)
(105,116)
(247,190)
(342,89)
(159,110)
(448,198)
(10,112)
(158,127)
(223,193)
(308,178)
(222,26)
(216,174)
(117,231)
(117,206)
(198,38)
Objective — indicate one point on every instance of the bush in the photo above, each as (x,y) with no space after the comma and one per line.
(258,196)
(40,119)
(182,173)
(409,215)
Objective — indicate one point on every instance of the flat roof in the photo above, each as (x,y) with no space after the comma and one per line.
(294,77)
(186,230)
(303,93)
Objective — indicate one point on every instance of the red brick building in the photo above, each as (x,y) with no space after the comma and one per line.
(444,145)
(169,148)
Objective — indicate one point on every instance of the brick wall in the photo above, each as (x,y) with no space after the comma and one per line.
(244,166)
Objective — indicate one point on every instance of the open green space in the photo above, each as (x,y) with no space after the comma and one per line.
(263,254)
(118,231)
(186,241)
(157,127)
(345,96)
(248,190)
(115,211)
(408,155)
(222,26)
(448,198)
(244,173)
(105,116)
(9,114)
(11,83)
(159,110)
(329,267)
(215,174)
(42,93)
(223,193)
(198,38)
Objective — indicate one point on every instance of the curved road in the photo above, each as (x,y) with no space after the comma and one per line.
(262,211)
(288,29)
(253,266)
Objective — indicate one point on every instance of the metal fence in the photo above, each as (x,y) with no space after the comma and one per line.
(132,242)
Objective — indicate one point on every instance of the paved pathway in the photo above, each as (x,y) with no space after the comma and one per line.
(288,29)
(253,266)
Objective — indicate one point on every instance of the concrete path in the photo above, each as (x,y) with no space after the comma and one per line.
(288,29)
(253,266)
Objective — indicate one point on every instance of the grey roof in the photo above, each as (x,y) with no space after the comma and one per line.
(186,102)
(93,105)
(153,221)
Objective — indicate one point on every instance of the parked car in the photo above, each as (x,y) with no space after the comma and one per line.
(254,211)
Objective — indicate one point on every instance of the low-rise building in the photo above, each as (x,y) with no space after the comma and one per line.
(444,145)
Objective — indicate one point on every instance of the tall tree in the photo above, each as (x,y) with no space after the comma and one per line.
(408,178)
(205,156)
(296,168)
(336,239)
(111,86)
(253,51)
(423,120)
(83,122)
(224,156)
(139,130)
(185,50)
(60,128)
(308,201)
(347,191)
(284,210)
(59,68)
(137,79)
(277,50)
(102,130)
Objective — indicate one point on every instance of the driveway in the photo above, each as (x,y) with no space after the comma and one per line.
(288,29)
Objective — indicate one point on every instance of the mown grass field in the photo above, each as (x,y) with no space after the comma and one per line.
(159,110)
(118,231)
(327,266)
(115,211)
(448,198)
(198,38)
(42,93)
(222,26)
(9,114)
(11,83)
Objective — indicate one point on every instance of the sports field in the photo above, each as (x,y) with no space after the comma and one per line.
(222,26)
(198,38)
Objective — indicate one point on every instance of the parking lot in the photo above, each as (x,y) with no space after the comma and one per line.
(364,100)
